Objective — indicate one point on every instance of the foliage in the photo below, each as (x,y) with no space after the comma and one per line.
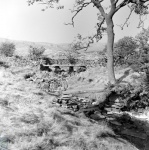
(123,49)
(140,8)
(7,49)
(36,52)
(71,58)
(72,55)
(139,61)
(133,97)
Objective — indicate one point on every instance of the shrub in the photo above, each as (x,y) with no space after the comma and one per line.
(140,61)
(7,49)
(70,55)
(36,52)
(124,49)
(132,97)
(71,59)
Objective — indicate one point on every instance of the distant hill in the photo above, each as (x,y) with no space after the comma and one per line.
(53,49)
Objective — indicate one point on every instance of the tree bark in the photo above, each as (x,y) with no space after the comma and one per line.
(110,57)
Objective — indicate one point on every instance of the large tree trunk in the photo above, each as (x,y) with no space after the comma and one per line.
(110,43)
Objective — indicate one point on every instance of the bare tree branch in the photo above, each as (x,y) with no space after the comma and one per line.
(127,19)
(80,8)
(79,45)
(141,21)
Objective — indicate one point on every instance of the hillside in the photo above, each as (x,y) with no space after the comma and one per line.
(53,49)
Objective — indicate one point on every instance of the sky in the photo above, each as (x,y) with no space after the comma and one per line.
(18,21)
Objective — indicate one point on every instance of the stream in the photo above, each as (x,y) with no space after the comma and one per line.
(125,126)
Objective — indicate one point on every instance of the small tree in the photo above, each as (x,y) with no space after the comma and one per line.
(140,61)
(7,49)
(123,49)
(72,56)
(36,52)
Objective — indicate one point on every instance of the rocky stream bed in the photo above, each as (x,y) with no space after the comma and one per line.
(126,126)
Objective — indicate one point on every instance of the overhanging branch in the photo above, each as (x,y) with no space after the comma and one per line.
(80,8)
(81,43)
(80,46)
(127,19)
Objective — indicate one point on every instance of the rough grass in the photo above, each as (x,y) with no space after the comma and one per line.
(29,121)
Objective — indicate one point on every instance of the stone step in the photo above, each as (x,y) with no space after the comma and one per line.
(110,118)
(115,109)
(115,122)
(121,103)
(66,96)
(116,106)
(112,111)
(97,117)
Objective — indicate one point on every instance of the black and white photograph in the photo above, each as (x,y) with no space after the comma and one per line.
(74,75)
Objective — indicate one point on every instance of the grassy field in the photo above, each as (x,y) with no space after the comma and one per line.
(29,120)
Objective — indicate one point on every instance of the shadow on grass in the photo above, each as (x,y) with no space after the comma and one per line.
(116,137)
(134,131)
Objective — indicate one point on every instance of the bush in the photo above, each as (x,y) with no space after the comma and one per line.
(36,52)
(140,61)
(7,49)
(71,56)
(133,97)
(71,59)
(124,49)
